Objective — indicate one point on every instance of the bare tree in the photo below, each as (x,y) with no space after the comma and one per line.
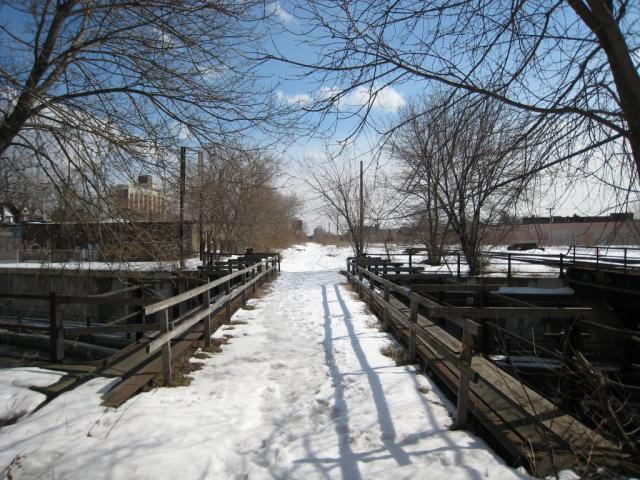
(456,159)
(412,146)
(235,191)
(108,89)
(336,181)
(574,64)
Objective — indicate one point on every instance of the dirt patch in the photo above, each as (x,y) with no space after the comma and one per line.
(181,367)
(238,322)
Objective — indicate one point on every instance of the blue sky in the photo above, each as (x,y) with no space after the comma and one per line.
(294,88)
(566,197)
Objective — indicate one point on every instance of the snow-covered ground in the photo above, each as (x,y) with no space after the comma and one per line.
(16,399)
(159,266)
(301,391)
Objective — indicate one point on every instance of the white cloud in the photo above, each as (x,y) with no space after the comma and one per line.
(279,11)
(385,98)
(298,98)
(388,98)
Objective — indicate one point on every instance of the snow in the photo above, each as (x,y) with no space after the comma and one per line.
(156,266)
(16,399)
(301,391)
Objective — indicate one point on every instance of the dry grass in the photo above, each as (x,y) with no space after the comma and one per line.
(425,390)
(395,352)
(373,322)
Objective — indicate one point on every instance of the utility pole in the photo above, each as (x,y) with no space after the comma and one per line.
(200,212)
(361,241)
(550,224)
(183,159)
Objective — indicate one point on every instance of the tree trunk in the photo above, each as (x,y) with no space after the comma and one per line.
(472,254)
(598,16)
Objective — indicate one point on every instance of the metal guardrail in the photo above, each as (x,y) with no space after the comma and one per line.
(509,264)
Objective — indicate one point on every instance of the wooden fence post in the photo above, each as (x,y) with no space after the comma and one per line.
(206,301)
(462,408)
(138,294)
(413,319)
(227,305)
(166,348)
(254,274)
(371,291)
(56,332)
(244,290)
(385,318)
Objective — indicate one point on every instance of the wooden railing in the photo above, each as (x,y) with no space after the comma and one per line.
(149,317)
(57,331)
(471,321)
(208,307)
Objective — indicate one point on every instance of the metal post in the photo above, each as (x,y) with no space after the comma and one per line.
(361,250)
(458,264)
(183,158)
(56,332)
(508,265)
(624,267)
(201,207)
(562,265)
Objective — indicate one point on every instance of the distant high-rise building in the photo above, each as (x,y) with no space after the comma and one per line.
(142,199)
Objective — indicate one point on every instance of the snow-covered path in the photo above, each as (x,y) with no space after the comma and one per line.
(301,391)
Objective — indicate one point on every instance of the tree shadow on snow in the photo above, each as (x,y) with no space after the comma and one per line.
(348,460)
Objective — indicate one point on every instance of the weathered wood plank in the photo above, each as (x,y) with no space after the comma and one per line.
(132,327)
